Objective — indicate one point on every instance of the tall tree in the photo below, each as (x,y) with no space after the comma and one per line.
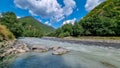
(10,20)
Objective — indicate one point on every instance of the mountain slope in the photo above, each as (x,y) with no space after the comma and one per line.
(107,9)
(104,20)
(33,24)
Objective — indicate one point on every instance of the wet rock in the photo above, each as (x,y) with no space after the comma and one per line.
(21,46)
(59,51)
(21,51)
(18,48)
(39,48)
(55,48)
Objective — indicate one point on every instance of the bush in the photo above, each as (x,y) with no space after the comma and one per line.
(5,34)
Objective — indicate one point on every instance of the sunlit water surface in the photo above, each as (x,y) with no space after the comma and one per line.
(80,56)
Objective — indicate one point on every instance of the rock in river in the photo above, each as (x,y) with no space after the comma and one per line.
(59,50)
(39,48)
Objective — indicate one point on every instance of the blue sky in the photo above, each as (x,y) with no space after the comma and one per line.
(51,12)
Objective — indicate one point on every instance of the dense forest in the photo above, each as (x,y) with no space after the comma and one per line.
(24,27)
(103,20)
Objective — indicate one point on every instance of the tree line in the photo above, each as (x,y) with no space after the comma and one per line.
(19,29)
(104,20)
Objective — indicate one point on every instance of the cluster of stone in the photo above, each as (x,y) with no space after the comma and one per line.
(19,47)
(56,50)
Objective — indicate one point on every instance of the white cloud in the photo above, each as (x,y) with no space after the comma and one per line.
(18,17)
(0,14)
(69,5)
(91,4)
(69,21)
(47,23)
(47,8)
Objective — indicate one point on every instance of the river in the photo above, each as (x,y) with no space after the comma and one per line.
(80,56)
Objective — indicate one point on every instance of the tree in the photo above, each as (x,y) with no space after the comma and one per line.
(77,29)
(10,20)
(67,28)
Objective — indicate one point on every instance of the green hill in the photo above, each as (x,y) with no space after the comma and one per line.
(29,23)
(109,8)
(104,20)
(24,27)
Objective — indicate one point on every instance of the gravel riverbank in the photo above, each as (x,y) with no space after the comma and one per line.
(104,43)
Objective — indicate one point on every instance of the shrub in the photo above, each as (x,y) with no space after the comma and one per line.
(5,34)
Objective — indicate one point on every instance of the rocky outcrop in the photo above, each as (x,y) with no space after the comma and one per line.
(56,50)
(17,48)
(39,48)
(59,50)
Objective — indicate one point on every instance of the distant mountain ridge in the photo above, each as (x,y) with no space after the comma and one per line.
(29,21)
(24,27)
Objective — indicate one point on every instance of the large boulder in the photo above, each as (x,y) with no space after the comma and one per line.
(21,47)
(18,48)
(54,48)
(59,50)
(39,48)
(21,51)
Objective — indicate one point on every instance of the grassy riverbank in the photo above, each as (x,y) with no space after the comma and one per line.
(95,39)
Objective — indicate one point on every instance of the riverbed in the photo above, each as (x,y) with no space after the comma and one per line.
(81,55)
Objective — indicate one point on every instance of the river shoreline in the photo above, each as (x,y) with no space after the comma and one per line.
(80,56)
(103,43)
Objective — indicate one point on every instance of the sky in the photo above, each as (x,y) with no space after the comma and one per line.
(50,12)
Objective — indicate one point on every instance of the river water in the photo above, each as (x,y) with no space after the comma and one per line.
(80,56)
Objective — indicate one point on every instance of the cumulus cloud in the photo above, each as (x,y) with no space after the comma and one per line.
(69,5)
(47,23)
(69,21)
(90,4)
(18,17)
(47,8)
(0,14)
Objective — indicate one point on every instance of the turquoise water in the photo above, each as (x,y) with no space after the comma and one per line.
(80,56)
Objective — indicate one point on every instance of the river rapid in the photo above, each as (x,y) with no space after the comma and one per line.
(80,56)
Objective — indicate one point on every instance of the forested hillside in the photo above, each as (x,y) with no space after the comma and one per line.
(24,27)
(32,25)
(103,20)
